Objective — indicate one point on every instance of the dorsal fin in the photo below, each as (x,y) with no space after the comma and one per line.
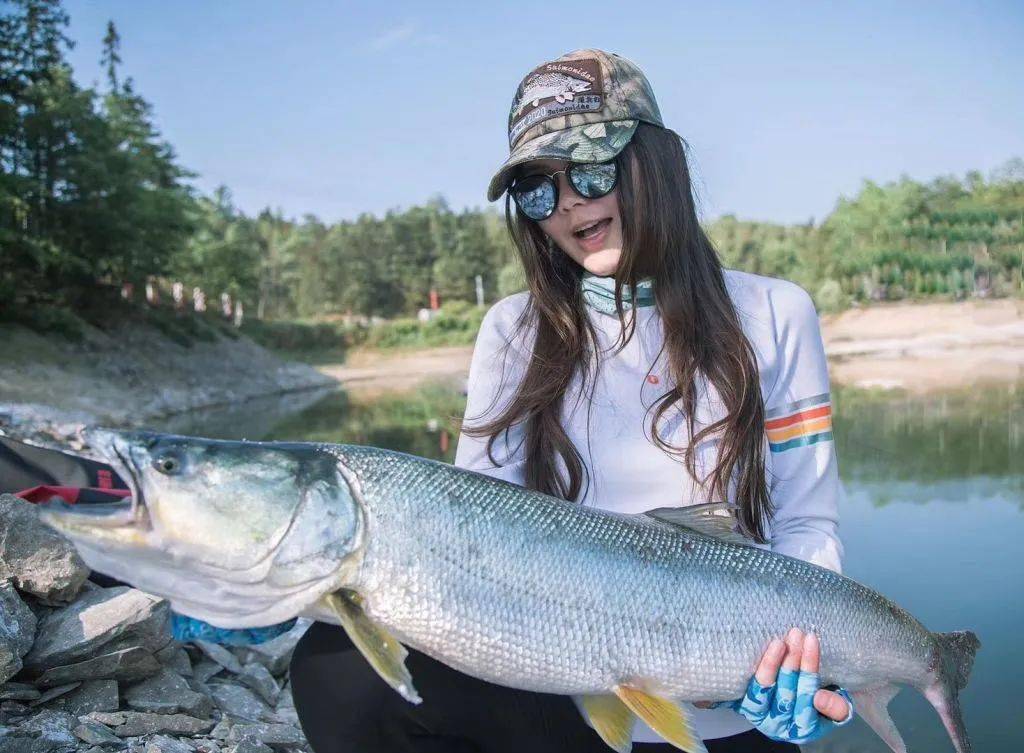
(704,519)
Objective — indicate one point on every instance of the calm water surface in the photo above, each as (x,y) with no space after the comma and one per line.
(933,517)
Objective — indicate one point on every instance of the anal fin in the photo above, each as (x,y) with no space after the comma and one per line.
(612,720)
(384,652)
(872,705)
(667,718)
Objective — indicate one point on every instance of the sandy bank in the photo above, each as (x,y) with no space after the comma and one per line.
(919,347)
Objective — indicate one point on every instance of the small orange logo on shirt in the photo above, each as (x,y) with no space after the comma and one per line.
(653,379)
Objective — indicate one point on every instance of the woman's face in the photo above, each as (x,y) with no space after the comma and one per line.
(572,225)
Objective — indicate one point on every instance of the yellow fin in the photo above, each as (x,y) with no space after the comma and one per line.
(385,654)
(612,720)
(668,719)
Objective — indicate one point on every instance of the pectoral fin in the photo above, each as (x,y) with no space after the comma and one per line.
(872,705)
(385,654)
(612,720)
(668,719)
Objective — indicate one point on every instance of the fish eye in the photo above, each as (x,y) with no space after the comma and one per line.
(168,465)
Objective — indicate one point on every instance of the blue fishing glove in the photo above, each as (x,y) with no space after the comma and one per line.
(187,629)
(785,710)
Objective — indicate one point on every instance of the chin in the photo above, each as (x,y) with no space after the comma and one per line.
(602,263)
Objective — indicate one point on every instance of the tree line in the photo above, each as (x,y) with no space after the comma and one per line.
(92,197)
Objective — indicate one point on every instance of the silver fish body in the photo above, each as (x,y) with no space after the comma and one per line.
(497,581)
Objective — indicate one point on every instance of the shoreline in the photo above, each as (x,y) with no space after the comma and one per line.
(917,347)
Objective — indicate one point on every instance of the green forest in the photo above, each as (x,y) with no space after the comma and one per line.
(94,202)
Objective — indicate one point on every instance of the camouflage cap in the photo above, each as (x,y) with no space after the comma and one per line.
(582,107)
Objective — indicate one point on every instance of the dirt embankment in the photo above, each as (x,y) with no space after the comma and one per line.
(134,372)
(919,347)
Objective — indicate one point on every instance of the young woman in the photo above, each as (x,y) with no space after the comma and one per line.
(634,373)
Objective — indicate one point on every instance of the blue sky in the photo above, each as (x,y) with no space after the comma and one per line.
(337,108)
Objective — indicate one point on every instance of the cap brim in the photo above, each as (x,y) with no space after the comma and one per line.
(590,142)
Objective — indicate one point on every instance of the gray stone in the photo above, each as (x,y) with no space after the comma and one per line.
(46,732)
(174,656)
(220,655)
(135,723)
(38,559)
(18,691)
(276,653)
(205,669)
(222,729)
(98,619)
(275,735)
(257,678)
(12,712)
(167,693)
(94,695)
(239,702)
(164,744)
(93,733)
(53,693)
(249,746)
(127,664)
(207,746)
(17,630)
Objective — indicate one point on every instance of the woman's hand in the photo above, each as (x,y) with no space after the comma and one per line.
(788,705)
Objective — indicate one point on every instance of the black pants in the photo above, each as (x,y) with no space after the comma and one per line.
(345,707)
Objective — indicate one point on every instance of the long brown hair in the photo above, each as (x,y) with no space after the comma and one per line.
(704,342)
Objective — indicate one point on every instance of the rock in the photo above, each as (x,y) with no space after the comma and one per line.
(18,691)
(17,630)
(275,735)
(174,656)
(207,746)
(221,655)
(46,732)
(285,710)
(55,692)
(134,723)
(249,746)
(276,653)
(167,693)
(115,618)
(12,712)
(239,702)
(94,695)
(38,559)
(222,729)
(164,744)
(94,733)
(205,669)
(257,678)
(128,664)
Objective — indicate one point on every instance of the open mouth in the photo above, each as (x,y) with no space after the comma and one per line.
(129,511)
(594,229)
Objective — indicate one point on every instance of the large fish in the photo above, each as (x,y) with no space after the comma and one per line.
(631,613)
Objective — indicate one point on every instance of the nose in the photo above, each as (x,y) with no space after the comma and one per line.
(567,196)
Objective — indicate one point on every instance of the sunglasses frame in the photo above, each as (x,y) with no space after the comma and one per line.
(550,178)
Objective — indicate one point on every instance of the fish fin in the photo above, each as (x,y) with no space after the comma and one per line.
(612,720)
(667,718)
(703,519)
(384,652)
(872,704)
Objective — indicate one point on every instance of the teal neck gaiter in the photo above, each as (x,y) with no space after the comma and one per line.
(599,293)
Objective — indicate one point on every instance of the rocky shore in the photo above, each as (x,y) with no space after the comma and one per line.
(91,669)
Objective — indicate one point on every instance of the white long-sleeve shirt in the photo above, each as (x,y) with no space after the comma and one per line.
(629,474)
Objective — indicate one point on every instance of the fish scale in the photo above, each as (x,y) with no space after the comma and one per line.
(632,614)
(498,577)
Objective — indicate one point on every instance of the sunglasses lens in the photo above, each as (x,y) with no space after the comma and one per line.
(535,196)
(593,180)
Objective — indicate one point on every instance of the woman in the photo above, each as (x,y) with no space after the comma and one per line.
(635,373)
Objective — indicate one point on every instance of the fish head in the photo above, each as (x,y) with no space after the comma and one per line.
(236,533)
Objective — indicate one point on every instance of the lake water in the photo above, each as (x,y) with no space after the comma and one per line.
(933,518)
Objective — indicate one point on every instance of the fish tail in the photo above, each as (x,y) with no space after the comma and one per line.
(951,664)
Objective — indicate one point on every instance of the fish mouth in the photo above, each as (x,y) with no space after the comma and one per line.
(112,449)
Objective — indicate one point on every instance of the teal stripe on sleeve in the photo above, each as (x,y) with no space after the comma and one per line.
(824,436)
